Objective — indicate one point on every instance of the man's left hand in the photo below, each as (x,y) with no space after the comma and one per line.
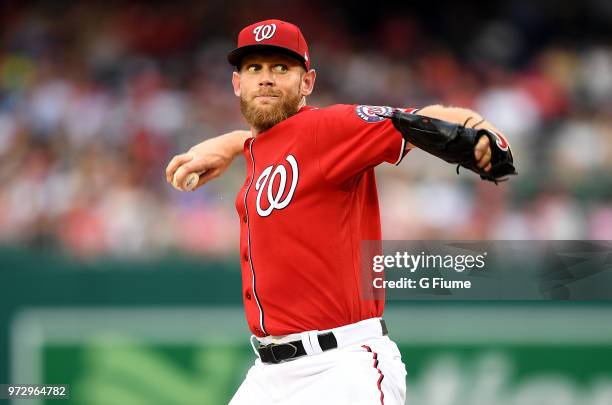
(482,153)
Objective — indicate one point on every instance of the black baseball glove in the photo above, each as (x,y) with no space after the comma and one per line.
(455,143)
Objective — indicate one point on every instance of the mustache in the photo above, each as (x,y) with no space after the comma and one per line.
(267,93)
(265,118)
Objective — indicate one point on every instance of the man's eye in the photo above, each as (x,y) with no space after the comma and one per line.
(280,68)
(252,68)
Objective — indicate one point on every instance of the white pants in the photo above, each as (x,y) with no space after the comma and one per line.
(368,370)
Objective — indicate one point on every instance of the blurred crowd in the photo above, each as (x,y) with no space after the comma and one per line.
(95,98)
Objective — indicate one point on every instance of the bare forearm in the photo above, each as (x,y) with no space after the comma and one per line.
(208,159)
(458,115)
(233,142)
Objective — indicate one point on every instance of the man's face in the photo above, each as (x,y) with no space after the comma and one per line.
(271,88)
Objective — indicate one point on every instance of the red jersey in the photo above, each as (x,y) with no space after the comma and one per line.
(308,201)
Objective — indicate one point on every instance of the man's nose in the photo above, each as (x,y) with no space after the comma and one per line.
(266,78)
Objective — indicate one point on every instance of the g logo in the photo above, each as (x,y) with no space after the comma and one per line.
(265,31)
(276,200)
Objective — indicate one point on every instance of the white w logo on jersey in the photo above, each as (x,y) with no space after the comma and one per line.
(265,31)
(268,176)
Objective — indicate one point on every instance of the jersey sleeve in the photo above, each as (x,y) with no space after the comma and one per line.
(353,138)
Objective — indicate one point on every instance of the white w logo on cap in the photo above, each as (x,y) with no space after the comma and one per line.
(265,31)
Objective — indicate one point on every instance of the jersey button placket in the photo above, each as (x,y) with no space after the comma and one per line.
(247,295)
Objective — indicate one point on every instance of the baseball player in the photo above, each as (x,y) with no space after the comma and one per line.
(308,200)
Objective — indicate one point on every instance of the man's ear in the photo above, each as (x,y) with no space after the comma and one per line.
(308,81)
(236,83)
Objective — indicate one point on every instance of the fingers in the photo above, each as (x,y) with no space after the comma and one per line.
(482,153)
(181,175)
(181,166)
(207,165)
(481,147)
(485,161)
(175,163)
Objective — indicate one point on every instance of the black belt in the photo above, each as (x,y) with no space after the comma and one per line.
(276,353)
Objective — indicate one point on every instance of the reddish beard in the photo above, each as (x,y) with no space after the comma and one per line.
(262,118)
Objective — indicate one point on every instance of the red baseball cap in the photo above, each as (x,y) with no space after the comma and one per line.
(275,35)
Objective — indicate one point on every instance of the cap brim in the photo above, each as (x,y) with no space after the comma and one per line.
(236,56)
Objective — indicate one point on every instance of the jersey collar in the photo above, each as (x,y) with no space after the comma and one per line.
(307,108)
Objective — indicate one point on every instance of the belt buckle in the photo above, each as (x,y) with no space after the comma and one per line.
(276,360)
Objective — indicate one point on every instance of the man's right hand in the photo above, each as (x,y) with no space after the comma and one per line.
(211,158)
